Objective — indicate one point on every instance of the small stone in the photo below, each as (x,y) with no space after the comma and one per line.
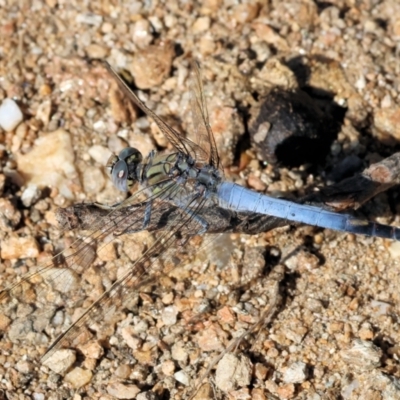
(364,355)
(4,322)
(141,33)
(226,316)
(51,163)
(89,19)
(168,367)
(61,361)
(93,180)
(25,367)
(30,195)
(43,112)
(92,350)
(208,340)
(394,250)
(246,12)
(99,153)
(10,115)
(123,371)
(152,66)
(380,308)
(128,334)
(182,377)
(260,371)
(201,25)
(146,396)
(169,315)
(19,247)
(179,353)
(96,51)
(295,373)
(107,252)
(68,283)
(295,331)
(204,392)
(10,216)
(387,123)
(240,394)
(233,372)
(78,377)
(286,391)
(121,391)
(20,329)
(258,394)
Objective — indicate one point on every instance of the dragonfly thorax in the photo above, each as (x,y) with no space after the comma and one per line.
(125,168)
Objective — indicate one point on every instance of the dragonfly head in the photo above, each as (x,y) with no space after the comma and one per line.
(124,168)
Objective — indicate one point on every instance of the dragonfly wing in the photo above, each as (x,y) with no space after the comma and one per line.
(207,150)
(204,150)
(63,289)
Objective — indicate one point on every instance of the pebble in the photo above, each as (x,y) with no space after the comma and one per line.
(387,123)
(10,115)
(182,377)
(50,163)
(96,51)
(364,355)
(19,247)
(93,180)
(233,372)
(25,367)
(394,250)
(92,350)
(4,322)
(122,391)
(43,112)
(146,396)
(141,33)
(123,371)
(61,361)
(169,315)
(152,66)
(168,367)
(201,25)
(78,377)
(30,195)
(99,153)
(10,216)
(69,281)
(179,353)
(20,329)
(295,373)
(208,340)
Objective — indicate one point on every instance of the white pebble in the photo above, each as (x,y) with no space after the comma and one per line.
(61,361)
(10,115)
(182,377)
(295,373)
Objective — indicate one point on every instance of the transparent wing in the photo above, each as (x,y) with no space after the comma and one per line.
(59,297)
(207,154)
(206,151)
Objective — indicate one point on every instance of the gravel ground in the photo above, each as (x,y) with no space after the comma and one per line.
(329,301)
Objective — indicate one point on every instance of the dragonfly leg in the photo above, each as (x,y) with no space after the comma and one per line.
(203,223)
(147,214)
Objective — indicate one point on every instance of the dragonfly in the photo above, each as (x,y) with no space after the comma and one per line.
(190,179)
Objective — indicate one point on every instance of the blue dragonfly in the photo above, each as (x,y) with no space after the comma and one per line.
(190,179)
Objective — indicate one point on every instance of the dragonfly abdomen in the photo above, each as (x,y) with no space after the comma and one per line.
(238,198)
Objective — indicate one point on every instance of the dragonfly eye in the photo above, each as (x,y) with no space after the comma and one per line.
(119,175)
(123,169)
(130,155)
